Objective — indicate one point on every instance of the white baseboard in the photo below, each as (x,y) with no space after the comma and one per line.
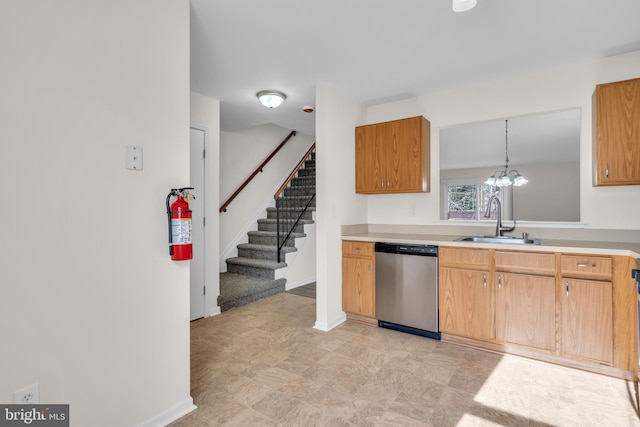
(168,416)
(214,311)
(326,327)
(299,283)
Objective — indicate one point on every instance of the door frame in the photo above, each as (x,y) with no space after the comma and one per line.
(205,131)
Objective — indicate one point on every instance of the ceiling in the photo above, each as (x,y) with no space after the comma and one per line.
(380,50)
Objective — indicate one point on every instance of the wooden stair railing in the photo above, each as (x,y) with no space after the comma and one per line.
(259,169)
(293,217)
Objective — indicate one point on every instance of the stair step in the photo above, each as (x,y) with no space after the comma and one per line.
(306,180)
(264,252)
(271,224)
(296,201)
(304,172)
(237,290)
(254,267)
(292,213)
(269,238)
(300,190)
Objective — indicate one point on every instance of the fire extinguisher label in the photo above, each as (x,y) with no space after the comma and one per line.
(181,231)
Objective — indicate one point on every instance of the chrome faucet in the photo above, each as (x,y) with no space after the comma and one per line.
(499,228)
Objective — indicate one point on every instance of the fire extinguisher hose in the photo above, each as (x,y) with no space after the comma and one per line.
(169,222)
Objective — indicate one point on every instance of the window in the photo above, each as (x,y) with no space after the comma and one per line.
(467,200)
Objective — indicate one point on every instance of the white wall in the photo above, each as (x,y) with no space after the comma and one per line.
(91,306)
(205,112)
(240,154)
(552,89)
(337,115)
(302,269)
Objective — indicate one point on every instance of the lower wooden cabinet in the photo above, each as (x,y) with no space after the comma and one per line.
(358,278)
(525,310)
(466,306)
(571,309)
(587,319)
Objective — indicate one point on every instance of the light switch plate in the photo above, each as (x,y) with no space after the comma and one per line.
(134,157)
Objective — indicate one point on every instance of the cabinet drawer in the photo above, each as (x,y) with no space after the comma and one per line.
(360,249)
(586,266)
(526,262)
(462,257)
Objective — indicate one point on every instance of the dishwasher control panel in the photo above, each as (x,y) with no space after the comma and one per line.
(398,248)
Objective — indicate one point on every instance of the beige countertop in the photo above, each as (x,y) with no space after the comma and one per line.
(546,245)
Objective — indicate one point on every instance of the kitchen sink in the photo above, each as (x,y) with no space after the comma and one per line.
(500,239)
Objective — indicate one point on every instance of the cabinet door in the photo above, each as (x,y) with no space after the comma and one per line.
(404,155)
(466,307)
(617,133)
(371,174)
(526,310)
(587,319)
(358,286)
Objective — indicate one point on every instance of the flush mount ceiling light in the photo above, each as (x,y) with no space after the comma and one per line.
(271,98)
(503,178)
(464,5)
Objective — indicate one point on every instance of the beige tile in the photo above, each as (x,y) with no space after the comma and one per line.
(249,417)
(265,365)
(420,408)
(190,420)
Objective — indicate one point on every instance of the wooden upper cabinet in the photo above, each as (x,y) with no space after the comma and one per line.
(616,122)
(393,157)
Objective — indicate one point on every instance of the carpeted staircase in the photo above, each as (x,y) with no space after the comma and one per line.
(256,273)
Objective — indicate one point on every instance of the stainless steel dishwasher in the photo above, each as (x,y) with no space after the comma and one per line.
(407,288)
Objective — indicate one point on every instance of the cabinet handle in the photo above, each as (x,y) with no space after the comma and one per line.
(499,281)
(606,171)
(484,279)
(566,287)
(382,183)
(584,265)
(388,183)
(369,266)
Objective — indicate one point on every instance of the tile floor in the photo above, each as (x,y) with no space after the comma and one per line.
(264,365)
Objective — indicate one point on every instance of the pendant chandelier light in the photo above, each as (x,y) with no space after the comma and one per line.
(464,5)
(503,178)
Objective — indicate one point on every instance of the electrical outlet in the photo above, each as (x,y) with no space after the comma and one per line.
(29,395)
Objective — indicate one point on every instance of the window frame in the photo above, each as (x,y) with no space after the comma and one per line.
(506,199)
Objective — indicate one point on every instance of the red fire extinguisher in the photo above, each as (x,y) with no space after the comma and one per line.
(179,218)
